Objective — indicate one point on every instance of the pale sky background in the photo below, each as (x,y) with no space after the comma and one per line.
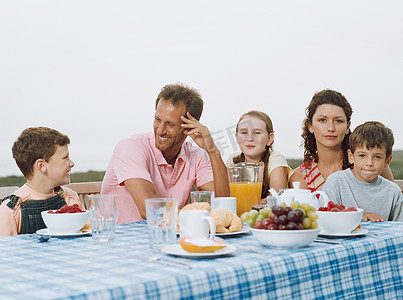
(92,69)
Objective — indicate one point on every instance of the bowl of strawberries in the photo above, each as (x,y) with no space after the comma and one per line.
(338,219)
(65,220)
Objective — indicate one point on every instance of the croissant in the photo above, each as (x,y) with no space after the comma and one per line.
(225,220)
(198,206)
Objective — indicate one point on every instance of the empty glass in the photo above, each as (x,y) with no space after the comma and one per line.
(162,216)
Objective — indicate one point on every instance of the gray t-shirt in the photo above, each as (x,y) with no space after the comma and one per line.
(382,197)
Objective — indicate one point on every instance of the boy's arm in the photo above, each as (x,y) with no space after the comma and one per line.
(8,221)
(371,217)
(397,210)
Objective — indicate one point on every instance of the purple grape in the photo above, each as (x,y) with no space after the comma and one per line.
(293,216)
(287,210)
(282,227)
(283,220)
(292,226)
(267,222)
(278,210)
(300,213)
(275,219)
(258,225)
(272,227)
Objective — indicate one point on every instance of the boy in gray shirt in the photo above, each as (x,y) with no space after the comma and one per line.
(361,186)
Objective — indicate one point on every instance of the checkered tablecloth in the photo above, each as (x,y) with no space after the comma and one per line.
(370,267)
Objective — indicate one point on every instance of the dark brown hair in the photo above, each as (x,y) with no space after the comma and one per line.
(266,154)
(372,134)
(179,93)
(36,143)
(324,97)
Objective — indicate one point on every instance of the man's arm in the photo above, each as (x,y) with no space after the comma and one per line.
(201,135)
(220,184)
(140,190)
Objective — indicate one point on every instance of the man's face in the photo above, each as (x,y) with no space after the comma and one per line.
(368,164)
(168,132)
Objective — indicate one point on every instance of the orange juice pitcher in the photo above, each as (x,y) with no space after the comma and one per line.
(246,185)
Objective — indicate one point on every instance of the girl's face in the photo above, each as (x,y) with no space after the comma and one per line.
(252,138)
(329,126)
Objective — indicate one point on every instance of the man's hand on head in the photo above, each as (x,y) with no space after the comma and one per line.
(199,133)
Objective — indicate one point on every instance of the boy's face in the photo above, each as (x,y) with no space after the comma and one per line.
(368,164)
(59,166)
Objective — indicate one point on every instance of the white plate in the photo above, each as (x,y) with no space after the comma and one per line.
(177,250)
(45,231)
(241,231)
(356,232)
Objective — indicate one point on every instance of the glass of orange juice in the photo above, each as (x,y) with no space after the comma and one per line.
(246,185)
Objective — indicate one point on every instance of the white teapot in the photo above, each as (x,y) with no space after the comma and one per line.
(300,195)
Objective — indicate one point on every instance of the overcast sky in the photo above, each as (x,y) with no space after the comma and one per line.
(92,69)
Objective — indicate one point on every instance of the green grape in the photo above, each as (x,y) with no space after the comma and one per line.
(265,212)
(314,225)
(294,204)
(251,222)
(253,214)
(306,223)
(245,216)
(306,207)
(312,208)
(260,218)
(311,215)
(283,204)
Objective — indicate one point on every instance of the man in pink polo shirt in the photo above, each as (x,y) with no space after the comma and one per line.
(162,164)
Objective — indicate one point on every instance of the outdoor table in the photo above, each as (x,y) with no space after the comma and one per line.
(369,266)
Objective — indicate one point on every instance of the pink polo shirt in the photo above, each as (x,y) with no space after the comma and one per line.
(137,157)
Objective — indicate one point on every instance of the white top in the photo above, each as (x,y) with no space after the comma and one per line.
(276,160)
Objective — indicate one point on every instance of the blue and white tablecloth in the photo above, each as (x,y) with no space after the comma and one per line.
(370,266)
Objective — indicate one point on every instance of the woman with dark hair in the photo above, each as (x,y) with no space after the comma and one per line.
(325,133)
(255,137)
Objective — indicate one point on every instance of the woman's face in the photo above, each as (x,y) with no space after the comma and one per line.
(329,126)
(252,138)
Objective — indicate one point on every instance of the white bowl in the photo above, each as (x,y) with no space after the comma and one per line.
(342,222)
(285,238)
(66,222)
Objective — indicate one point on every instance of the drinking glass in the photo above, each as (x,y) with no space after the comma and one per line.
(102,210)
(162,216)
(202,196)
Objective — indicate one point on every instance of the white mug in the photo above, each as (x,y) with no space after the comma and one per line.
(225,202)
(196,223)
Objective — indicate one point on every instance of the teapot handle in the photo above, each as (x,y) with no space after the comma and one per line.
(323,199)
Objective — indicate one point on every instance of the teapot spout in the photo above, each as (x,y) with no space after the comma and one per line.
(273,192)
(323,199)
